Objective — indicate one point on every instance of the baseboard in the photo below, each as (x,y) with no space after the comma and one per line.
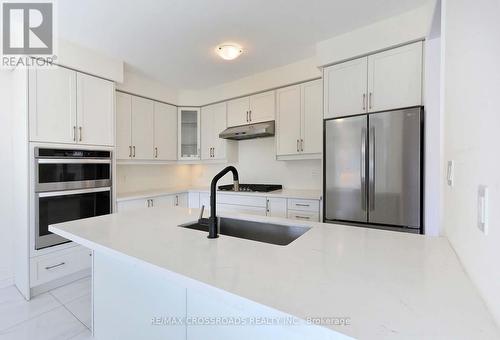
(43,288)
(6,282)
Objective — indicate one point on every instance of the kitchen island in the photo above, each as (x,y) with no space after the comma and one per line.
(155,280)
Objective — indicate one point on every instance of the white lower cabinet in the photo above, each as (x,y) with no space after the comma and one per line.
(303,215)
(276,207)
(147,303)
(193,200)
(241,209)
(169,201)
(52,266)
(205,201)
(298,209)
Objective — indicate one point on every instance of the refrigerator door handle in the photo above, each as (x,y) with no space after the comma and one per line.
(371,168)
(363,169)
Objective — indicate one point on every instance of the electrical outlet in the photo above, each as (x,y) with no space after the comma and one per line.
(482,209)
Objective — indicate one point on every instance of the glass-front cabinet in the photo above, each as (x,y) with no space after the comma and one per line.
(189,133)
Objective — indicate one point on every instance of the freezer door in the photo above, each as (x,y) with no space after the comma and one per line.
(345,169)
(394,167)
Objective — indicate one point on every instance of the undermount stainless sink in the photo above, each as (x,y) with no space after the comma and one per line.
(278,234)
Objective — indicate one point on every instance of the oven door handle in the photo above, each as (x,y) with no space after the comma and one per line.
(72,161)
(72,192)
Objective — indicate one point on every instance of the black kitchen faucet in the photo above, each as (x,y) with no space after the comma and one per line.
(213,229)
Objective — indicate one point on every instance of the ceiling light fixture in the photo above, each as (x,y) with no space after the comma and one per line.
(229,51)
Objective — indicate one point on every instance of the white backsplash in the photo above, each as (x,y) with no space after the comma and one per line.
(257,164)
(144,177)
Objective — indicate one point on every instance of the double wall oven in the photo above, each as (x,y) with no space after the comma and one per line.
(70,184)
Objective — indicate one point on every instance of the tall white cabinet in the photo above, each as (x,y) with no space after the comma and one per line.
(299,119)
(66,106)
(382,81)
(95,110)
(52,105)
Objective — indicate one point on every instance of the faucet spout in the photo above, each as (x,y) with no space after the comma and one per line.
(213,229)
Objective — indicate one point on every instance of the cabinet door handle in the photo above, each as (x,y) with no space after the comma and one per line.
(247,116)
(250,114)
(364,101)
(370,100)
(302,217)
(302,205)
(130,151)
(176,200)
(74,133)
(297,145)
(301,145)
(55,266)
(80,134)
(133,148)
(156,152)
(267,206)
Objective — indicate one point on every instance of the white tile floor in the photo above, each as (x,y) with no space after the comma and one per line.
(61,314)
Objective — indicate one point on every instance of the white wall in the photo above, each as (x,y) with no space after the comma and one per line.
(6,180)
(136,83)
(409,26)
(145,177)
(472,119)
(89,61)
(257,164)
(299,71)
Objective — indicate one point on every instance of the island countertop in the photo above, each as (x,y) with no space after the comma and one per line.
(391,285)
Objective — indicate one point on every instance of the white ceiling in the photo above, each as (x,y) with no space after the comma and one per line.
(173,41)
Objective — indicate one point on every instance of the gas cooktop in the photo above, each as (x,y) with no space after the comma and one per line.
(252,187)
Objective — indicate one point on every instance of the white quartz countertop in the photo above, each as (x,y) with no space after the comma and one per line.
(391,285)
(285,193)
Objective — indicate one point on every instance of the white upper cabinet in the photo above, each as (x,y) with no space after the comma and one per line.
(346,88)
(189,133)
(66,106)
(95,110)
(146,130)
(142,128)
(165,132)
(123,126)
(288,120)
(52,105)
(213,122)
(257,108)
(395,78)
(299,119)
(262,107)
(237,111)
(207,134)
(387,80)
(312,117)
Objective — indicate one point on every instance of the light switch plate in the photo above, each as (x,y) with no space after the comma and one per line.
(482,209)
(450,173)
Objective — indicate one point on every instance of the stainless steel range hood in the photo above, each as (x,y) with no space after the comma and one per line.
(257,130)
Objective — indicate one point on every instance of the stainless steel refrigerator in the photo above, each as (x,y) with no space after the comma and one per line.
(373,170)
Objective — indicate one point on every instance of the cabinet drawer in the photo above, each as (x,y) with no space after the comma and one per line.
(303,205)
(252,201)
(231,208)
(56,265)
(303,215)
